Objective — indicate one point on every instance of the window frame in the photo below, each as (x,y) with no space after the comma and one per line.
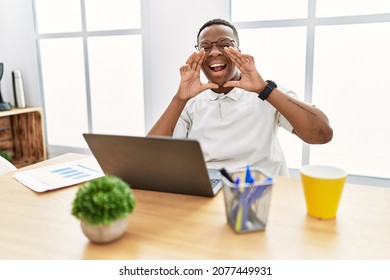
(55,150)
(311,22)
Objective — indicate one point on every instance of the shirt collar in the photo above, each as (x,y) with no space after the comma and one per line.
(234,94)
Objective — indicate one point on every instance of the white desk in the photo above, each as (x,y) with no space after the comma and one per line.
(171,226)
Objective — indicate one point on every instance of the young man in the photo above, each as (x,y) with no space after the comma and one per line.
(236,115)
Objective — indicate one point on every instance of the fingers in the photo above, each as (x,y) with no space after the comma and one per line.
(191,59)
(193,63)
(195,60)
(209,86)
(232,84)
(241,60)
(184,69)
(199,59)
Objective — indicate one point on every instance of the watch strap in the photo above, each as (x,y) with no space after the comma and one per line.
(271,85)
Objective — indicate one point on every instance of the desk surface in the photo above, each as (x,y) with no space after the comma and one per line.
(171,226)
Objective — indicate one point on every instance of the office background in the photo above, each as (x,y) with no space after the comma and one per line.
(113,66)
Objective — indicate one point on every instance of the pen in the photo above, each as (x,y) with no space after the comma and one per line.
(242,211)
(248,177)
(226,175)
(246,201)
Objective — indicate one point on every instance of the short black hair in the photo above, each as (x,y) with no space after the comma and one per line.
(221,22)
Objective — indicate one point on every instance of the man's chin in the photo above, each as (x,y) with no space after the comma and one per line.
(220,81)
(221,88)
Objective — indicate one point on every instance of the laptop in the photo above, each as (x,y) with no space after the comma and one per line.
(162,164)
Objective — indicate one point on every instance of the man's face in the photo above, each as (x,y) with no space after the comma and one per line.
(217,66)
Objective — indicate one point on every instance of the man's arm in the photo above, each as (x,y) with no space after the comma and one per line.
(190,86)
(308,122)
(167,122)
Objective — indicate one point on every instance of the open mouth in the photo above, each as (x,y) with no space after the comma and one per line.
(217,67)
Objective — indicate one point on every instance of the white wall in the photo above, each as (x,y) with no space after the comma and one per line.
(169,33)
(170,29)
(18,49)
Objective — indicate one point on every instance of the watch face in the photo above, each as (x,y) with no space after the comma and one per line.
(267,90)
(271,84)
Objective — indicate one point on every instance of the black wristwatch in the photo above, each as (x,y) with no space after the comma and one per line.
(263,95)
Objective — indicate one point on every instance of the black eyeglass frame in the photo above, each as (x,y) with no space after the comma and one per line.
(232,44)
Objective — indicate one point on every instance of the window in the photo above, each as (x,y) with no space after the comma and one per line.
(280,58)
(262,10)
(331,8)
(91,67)
(357,99)
(63,74)
(334,54)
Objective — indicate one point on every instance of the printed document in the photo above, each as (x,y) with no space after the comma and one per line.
(60,175)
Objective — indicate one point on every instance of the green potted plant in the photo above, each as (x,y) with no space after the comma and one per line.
(103,205)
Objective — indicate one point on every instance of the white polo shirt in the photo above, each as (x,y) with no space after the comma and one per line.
(235,129)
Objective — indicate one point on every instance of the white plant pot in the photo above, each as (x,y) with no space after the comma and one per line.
(105,233)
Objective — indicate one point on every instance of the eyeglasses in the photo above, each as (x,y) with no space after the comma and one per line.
(220,44)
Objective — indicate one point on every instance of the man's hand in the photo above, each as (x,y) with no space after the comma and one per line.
(190,84)
(251,79)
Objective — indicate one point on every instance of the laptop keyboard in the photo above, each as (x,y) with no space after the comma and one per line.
(214,182)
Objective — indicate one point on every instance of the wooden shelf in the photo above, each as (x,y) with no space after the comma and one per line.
(21,135)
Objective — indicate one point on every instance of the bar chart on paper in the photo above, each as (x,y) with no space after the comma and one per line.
(75,172)
(60,175)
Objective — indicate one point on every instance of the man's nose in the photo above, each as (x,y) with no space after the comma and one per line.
(215,50)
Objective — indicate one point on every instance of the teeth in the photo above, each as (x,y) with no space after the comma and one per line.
(216,65)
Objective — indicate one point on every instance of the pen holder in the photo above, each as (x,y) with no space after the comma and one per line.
(247,204)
